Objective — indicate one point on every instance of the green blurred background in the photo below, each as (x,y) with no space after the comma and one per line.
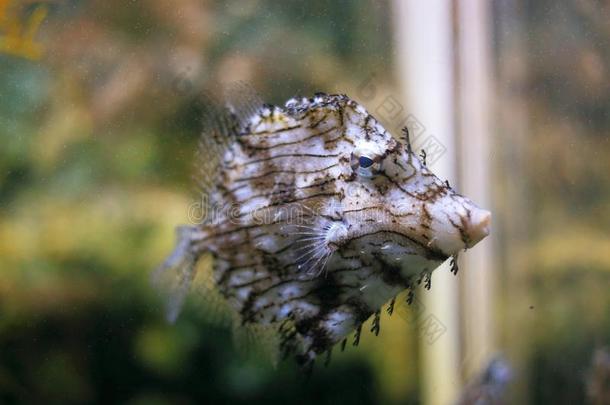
(98,130)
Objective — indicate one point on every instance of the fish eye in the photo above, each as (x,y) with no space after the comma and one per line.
(365,162)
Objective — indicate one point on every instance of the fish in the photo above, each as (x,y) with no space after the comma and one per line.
(316,217)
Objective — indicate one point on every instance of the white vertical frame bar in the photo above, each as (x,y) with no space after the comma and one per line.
(424,43)
(475,108)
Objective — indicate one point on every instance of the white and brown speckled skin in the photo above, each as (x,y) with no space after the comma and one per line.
(309,240)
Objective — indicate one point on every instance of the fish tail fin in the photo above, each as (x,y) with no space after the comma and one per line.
(175,275)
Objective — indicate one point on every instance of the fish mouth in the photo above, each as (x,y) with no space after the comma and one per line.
(478,227)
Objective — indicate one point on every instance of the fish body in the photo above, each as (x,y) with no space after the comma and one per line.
(317,217)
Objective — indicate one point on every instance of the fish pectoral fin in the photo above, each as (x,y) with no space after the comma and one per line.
(316,243)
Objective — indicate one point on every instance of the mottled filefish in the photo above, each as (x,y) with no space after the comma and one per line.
(316,218)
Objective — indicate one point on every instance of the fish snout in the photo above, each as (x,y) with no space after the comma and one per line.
(478,226)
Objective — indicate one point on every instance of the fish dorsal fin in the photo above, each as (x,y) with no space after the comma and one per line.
(224,119)
(244,103)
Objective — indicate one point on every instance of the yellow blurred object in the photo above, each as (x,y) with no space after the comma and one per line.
(18,38)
